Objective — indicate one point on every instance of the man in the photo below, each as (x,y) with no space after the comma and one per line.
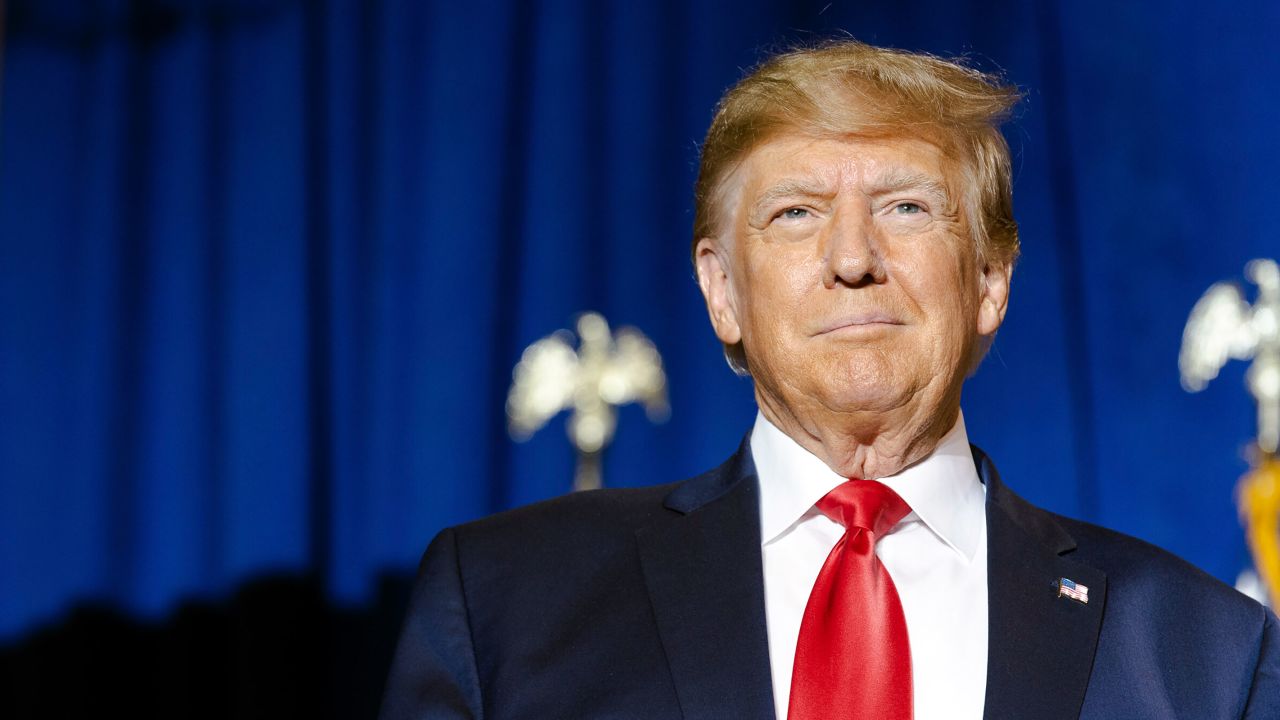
(854,242)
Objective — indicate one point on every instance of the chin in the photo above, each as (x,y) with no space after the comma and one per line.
(862,399)
(862,382)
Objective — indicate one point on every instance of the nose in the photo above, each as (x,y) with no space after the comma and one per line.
(852,251)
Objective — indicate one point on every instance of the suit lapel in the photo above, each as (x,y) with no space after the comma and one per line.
(702,567)
(1040,646)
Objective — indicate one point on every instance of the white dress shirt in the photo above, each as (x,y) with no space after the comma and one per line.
(937,557)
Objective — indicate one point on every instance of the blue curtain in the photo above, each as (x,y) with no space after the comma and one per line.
(265,267)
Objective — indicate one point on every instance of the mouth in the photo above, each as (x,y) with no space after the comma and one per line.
(860,323)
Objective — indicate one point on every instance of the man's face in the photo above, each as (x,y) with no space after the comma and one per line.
(846,269)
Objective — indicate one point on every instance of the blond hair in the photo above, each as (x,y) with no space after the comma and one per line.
(848,88)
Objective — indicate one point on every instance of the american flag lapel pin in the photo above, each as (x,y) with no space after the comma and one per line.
(1074,590)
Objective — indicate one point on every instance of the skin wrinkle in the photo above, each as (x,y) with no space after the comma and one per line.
(795,189)
(819,232)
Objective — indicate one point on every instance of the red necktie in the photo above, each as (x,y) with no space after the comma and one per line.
(853,659)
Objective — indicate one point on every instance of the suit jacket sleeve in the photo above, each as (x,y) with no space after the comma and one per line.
(1264,696)
(434,672)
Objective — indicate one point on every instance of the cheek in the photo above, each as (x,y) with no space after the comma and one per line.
(779,283)
(799,276)
(945,288)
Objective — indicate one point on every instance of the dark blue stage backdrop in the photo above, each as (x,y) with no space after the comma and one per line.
(265,267)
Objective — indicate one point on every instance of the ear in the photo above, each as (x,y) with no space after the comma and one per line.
(712,263)
(994,298)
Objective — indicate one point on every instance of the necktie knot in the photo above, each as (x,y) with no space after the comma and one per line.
(865,504)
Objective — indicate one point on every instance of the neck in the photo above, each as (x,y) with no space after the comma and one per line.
(863,444)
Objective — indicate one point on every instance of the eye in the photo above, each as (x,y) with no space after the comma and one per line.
(794,213)
(907,208)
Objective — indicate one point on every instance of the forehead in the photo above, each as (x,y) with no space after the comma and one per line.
(831,162)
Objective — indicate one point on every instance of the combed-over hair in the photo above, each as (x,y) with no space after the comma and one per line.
(846,88)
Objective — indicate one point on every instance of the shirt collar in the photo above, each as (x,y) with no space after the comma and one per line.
(943,490)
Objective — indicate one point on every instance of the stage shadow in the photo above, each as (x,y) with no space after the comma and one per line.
(277,649)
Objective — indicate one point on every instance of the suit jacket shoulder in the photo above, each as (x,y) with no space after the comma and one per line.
(1156,638)
(1211,651)
(1136,567)
(550,610)
(509,609)
(589,527)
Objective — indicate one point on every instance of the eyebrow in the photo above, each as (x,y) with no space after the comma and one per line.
(898,180)
(790,187)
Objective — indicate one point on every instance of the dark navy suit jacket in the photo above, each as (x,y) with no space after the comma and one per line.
(649,603)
